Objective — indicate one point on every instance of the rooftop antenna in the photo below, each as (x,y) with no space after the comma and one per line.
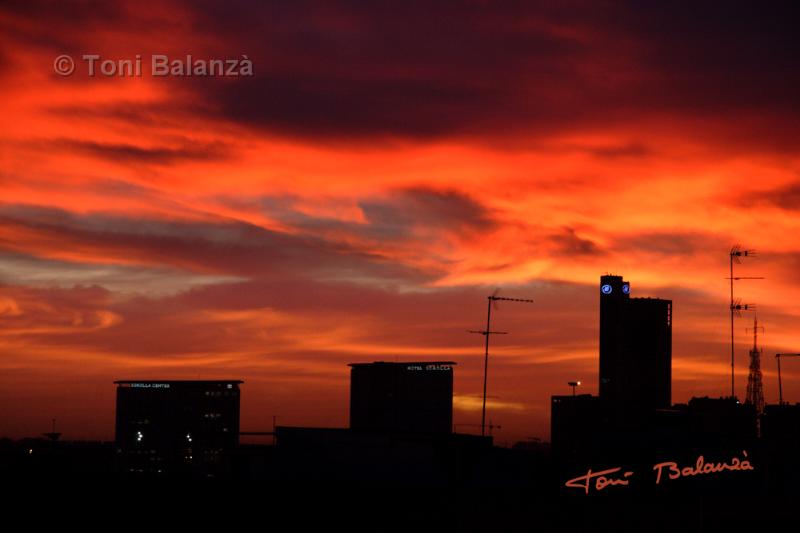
(736,307)
(755,384)
(53,435)
(491,302)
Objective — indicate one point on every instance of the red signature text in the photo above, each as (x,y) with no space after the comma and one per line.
(700,467)
(615,477)
(601,479)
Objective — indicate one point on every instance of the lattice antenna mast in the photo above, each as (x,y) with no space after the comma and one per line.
(755,383)
(736,255)
(491,302)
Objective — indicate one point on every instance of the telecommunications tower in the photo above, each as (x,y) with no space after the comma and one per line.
(755,385)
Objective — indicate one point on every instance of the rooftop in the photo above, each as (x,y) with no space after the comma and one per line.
(180,381)
(406,363)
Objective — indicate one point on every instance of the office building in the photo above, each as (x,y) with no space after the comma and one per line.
(402,397)
(177,427)
(635,349)
(575,423)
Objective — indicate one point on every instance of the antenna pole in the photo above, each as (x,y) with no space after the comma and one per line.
(486,363)
(736,254)
(732,346)
(488,331)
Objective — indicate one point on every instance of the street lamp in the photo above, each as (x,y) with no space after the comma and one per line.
(573,384)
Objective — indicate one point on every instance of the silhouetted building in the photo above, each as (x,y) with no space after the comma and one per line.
(722,421)
(781,423)
(47,460)
(377,458)
(177,427)
(780,432)
(635,349)
(575,423)
(402,397)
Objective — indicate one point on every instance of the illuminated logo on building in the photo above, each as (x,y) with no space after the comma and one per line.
(606,289)
(626,288)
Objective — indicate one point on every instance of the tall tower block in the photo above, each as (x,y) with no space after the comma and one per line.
(635,349)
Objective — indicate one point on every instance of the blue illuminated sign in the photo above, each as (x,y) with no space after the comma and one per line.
(626,289)
(606,289)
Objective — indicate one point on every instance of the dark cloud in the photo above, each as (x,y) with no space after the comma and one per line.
(569,243)
(400,216)
(56,24)
(626,150)
(447,210)
(675,243)
(223,247)
(128,153)
(786,197)
(742,56)
(490,70)
(75,12)
(494,72)
(24,269)
(120,188)
(127,113)
(358,71)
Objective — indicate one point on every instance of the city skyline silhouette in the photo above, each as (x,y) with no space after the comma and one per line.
(466,395)
(638,365)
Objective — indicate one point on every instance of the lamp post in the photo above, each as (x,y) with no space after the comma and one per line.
(573,384)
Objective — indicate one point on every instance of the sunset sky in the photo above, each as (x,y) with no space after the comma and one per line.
(381,173)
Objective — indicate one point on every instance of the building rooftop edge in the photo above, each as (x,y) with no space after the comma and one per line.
(404,363)
(121,381)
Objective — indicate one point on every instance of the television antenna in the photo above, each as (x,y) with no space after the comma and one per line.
(491,302)
(736,307)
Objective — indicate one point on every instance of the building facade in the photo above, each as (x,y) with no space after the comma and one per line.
(414,397)
(177,427)
(635,349)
